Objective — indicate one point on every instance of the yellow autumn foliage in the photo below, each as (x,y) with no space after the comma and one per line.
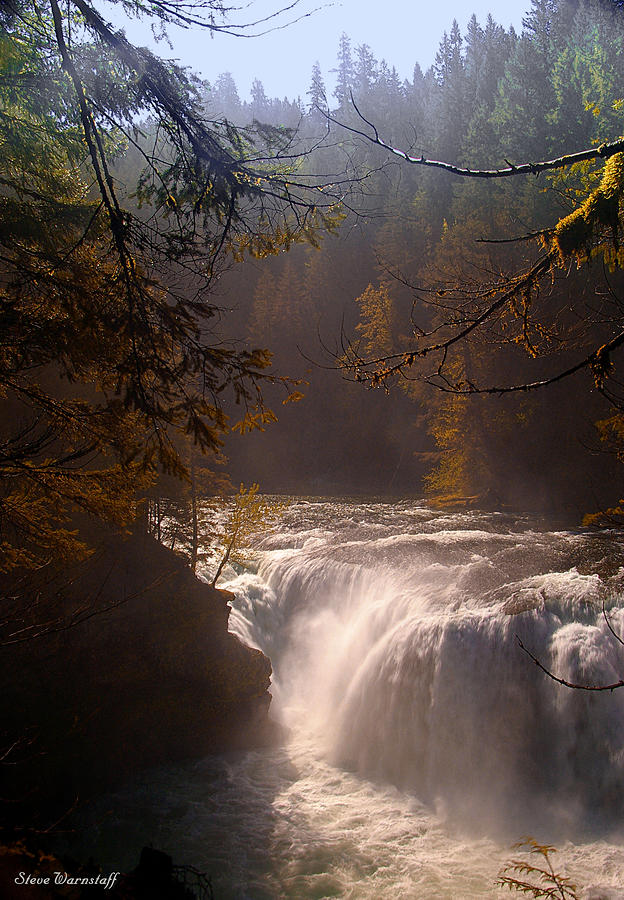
(574,236)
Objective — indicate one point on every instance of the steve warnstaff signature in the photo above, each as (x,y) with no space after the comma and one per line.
(104,881)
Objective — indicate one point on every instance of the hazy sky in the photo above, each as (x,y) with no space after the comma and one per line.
(399,31)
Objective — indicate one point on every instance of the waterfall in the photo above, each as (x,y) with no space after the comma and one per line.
(398,650)
(422,741)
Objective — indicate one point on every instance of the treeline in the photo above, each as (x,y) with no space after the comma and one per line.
(145,273)
(415,250)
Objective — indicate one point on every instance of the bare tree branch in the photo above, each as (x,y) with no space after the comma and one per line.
(570,684)
(185,15)
(384,367)
(604,151)
(610,626)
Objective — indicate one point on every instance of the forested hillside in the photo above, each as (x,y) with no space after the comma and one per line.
(417,246)
(216,237)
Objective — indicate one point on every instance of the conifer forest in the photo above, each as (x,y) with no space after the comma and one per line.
(421,253)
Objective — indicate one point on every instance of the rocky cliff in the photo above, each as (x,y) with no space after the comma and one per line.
(128,663)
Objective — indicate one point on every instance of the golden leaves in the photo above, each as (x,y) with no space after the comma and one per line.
(249,515)
(254,421)
(293,397)
(545,881)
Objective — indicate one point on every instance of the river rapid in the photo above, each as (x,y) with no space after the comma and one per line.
(421,741)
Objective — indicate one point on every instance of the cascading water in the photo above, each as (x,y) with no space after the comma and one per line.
(422,740)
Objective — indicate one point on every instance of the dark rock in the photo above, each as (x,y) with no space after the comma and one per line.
(149,674)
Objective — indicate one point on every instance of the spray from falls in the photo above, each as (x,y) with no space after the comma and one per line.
(394,643)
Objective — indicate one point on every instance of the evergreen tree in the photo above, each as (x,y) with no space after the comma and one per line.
(452,100)
(365,74)
(265,318)
(317,94)
(525,103)
(260,107)
(344,73)
(475,59)
(587,78)
(224,99)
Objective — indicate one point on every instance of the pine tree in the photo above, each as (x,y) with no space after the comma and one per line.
(344,73)
(587,78)
(365,74)
(451,100)
(224,98)
(260,107)
(317,102)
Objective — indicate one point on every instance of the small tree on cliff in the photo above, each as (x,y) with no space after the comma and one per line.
(250,514)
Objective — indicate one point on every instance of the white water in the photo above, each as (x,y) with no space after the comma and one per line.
(422,740)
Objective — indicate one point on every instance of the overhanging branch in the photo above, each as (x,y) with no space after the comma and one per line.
(570,684)
(604,151)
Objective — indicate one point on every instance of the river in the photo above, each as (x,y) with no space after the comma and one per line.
(422,741)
